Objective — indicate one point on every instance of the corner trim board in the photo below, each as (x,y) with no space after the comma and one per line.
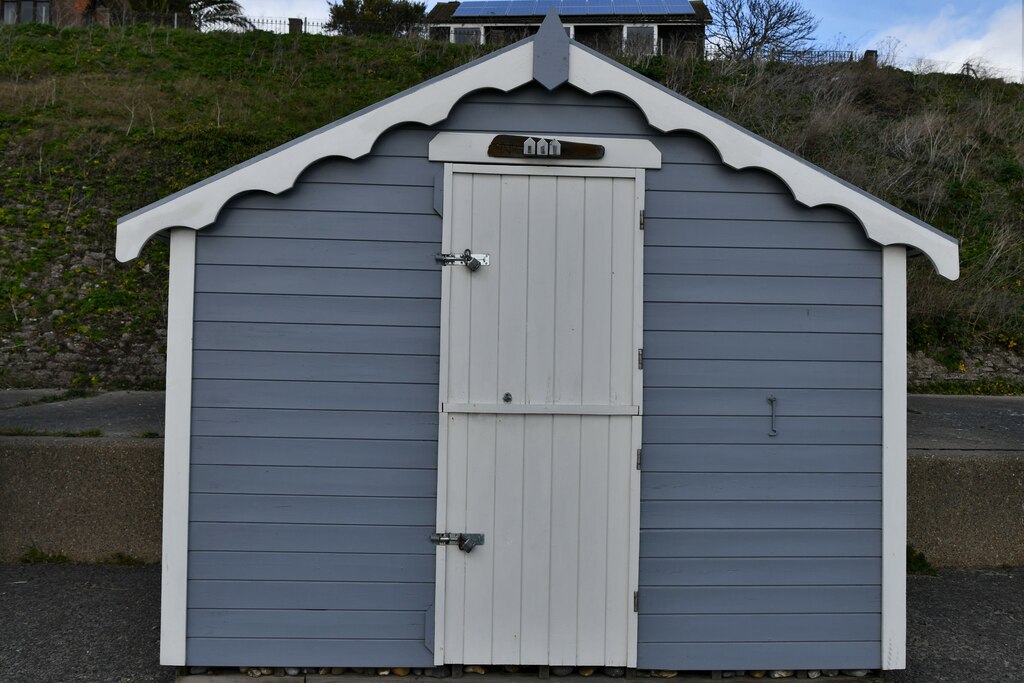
(894,457)
(177,437)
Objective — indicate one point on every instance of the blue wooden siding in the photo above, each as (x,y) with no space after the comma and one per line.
(314,422)
(315,398)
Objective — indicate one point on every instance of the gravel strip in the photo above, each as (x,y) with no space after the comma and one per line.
(99,624)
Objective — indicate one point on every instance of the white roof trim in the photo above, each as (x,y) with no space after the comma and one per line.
(740,148)
(353,137)
(277,170)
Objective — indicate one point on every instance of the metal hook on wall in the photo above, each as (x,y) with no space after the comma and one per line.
(771,401)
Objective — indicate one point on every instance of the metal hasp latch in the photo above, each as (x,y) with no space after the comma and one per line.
(471,261)
(466,542)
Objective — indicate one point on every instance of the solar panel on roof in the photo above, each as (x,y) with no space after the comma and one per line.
(521,8)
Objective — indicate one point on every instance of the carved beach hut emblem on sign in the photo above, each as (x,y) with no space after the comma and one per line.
(535,364)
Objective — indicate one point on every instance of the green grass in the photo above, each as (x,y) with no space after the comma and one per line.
(66,395)
(20,431)
(34,555)
(918,564)
(980,387)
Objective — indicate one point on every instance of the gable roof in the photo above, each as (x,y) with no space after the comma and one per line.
(550,58)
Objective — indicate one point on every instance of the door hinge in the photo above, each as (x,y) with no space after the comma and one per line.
(636,601)
(643,218)
(640,359)
(639,454)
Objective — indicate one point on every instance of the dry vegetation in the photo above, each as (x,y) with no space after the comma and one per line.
(95,123)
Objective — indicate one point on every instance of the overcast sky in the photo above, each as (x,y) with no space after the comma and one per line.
(946,34)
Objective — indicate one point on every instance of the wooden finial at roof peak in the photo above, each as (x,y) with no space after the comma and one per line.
(551,52)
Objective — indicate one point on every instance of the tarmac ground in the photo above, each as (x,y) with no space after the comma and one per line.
(100,624)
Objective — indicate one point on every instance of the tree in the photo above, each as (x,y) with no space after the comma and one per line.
(204,15)
(218,14)
(387,17)
(749,29)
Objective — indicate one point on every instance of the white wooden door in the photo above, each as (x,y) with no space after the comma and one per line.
(540,393)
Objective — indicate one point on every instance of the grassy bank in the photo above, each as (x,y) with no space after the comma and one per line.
(95,123)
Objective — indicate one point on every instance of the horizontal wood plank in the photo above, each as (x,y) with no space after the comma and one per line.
(313,509)
(336,253)
(758,628)
(759,600)
(774,375)
(281,652)
(708,512)
(308,538)
(762,290)
(368,483)
(673,177)
(309,623)
(760,543)
(791,402)
(222,393)
(776,571)
(309,595)
(319,281)
(315,367)
(224,336)
(745,486)
(758,233)
(789,430)
(326,310)
(328,424)
(760,656)
(372,170)
(792,346)
(737,205)
(747,317)
(376,453)
(759,458)
(311,566)
(688,260)
(385,199)
(325,225)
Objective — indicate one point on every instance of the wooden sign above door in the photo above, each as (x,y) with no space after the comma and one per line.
(523,147)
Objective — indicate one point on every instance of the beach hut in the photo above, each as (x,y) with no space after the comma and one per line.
(536,363)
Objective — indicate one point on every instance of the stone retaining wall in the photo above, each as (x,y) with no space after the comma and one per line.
(90,499)
(85,498)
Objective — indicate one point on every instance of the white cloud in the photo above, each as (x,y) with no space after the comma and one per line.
(312,9)
(954,37)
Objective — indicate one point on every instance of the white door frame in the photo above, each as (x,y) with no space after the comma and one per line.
(462,142)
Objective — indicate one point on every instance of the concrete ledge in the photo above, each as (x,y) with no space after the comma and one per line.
(87,498)
(966,508)
(92,498)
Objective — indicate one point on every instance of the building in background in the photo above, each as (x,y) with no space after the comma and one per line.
(642,26)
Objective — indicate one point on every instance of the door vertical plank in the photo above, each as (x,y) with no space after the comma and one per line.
(459,292)
(482,314)
(568,294)
(597,290)
(621,461)
(593,540)
(508,537)
(623,347)
(536,561)
(540,306)
(511,313)
(634,539)
(480,488)
(455,575)
(565,491)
